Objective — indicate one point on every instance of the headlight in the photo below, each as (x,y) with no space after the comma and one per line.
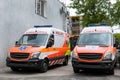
(35,55)
(109,56)
(74,55)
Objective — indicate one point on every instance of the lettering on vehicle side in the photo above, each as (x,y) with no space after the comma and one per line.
(58,33)
(37,32)
(91,31)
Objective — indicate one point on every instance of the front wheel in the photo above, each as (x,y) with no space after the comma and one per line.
(76,70)
(65,62)
(111,71)
(43,67)
(14,68)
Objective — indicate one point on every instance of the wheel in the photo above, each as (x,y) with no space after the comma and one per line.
(76,70)
(116,61)
(119,61)
(119,64)
(111,71)
(115,64)
(14,68)
(65,62)
(44,67)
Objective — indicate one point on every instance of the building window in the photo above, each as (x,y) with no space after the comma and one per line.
(40,6)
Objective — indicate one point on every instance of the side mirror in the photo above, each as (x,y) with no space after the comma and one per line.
(16,43)
(117,46)
(50,43)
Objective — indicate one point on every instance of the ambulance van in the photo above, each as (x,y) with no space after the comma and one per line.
(39,48)
(95,50)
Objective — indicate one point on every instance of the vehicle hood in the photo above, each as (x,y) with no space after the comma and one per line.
(91,49)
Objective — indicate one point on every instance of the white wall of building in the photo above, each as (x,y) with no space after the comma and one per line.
(16,16)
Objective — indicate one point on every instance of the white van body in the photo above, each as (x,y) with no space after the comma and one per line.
(95,50)
(39,47)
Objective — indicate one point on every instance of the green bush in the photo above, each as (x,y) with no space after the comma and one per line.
(117,37)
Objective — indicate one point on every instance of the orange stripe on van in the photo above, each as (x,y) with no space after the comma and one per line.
(54,49)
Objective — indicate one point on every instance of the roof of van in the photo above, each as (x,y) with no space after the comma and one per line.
(43,30)
(97,29)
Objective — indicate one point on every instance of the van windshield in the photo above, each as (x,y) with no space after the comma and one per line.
(95,39)
(33,39)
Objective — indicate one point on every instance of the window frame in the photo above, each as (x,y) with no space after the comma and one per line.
(40,7)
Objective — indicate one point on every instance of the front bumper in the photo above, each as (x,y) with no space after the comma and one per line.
(92,65)
(28,64)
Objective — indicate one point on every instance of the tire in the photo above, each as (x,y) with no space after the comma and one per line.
(119,61)
(116,61)
(115,64)
(14,68)
(44,67)
(119,64)
(111,71)
(65,62)
(76,70)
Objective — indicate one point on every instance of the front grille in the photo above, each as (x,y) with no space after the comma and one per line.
(19,55)
(89,56)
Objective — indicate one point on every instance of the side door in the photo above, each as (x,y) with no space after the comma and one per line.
(51,50)
(58,45)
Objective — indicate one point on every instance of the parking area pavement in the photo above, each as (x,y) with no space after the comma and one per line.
(58,70)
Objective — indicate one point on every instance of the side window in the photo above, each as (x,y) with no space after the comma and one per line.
(50,41)
(40,7)
(59,40)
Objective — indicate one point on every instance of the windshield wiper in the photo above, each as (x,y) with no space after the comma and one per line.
(103,45)
(35,45)
(81,45)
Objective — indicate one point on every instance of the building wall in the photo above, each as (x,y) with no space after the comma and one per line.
(16,16)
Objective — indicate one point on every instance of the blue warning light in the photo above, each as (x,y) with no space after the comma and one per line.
(101,24)
(38,26)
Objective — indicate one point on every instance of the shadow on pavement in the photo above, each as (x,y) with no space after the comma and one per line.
(31,70)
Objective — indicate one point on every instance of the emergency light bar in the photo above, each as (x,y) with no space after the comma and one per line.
(101,24)
(37,26)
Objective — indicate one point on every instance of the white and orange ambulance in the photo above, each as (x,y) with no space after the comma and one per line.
(39,48)
(95,49)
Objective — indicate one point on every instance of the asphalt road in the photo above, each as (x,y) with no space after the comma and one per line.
(58,72)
